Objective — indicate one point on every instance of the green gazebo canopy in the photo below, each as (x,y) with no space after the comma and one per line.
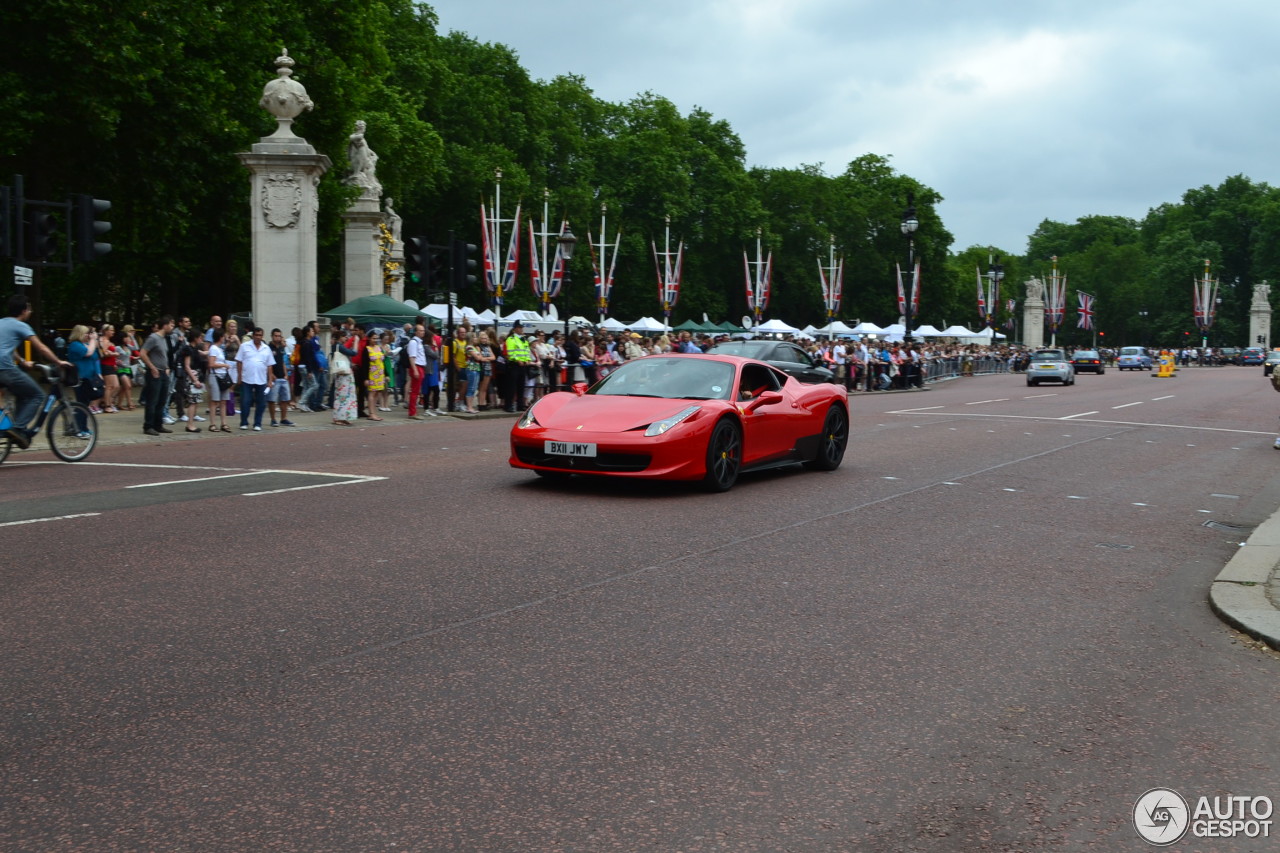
(375,308)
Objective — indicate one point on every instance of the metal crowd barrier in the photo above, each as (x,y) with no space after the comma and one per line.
(953,367)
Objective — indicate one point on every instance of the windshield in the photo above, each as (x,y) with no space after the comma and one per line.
(689,378)
(746,349)
(1051,355)
(1085,353)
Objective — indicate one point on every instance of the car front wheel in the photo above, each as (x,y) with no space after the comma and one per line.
(724,457)
(834,439)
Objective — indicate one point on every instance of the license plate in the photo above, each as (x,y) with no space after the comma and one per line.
(1048,367)
(570,448)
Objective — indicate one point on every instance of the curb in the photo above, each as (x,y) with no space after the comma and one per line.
(1239,593)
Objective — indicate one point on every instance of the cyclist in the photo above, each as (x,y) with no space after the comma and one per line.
(13,332)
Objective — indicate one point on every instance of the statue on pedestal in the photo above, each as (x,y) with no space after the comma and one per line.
(394,223)
(1262,295)
(364,163)
(1035,289)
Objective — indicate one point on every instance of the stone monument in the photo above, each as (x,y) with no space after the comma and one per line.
(361,247)
(394,253)
(284,208)
(1260,317)
(1033,314)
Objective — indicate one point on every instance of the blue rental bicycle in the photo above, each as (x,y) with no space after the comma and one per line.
(69,425)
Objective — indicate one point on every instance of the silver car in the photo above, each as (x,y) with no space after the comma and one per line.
(1050,365)
(1133,358)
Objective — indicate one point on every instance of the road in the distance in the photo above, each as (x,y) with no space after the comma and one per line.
(987,631)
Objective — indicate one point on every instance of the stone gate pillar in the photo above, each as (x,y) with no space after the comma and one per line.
(1033,314)
(284,209)
(1260,317)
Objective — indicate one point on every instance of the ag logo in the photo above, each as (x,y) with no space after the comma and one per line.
(1161,816)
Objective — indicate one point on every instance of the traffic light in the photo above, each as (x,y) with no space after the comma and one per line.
(463,265)
(415,259)
(436,266)
(41,233)
(90,228)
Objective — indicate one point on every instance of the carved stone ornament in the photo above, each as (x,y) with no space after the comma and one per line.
(1262,295)
(285,98)
(1035,289)
(281,200)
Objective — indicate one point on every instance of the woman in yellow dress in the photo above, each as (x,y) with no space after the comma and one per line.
(377,381)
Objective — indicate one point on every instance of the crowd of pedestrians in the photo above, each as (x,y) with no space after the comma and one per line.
(224,376)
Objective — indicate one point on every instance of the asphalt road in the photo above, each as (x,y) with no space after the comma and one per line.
(986,631)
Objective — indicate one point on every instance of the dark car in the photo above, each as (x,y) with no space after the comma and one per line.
(784,355)
(1254,355)
(1088,361)
(1230,355)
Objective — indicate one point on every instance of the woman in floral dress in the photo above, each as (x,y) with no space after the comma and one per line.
(344,384)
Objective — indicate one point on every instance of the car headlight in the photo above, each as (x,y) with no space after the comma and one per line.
(527,419)
(659,427)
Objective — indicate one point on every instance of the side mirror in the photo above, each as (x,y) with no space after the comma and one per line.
(768,398)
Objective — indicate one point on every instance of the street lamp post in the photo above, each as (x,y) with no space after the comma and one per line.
(567,243)
(909,225)
(995,272)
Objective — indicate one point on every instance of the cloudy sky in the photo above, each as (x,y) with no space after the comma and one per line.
(1015,111)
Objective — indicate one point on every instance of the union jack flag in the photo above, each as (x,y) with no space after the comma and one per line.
(549,288)
(490,280)
(831,288)
(1085,311)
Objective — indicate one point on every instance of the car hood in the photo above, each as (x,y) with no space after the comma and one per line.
(602,413)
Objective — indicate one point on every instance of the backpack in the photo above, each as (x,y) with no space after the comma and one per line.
(402,358)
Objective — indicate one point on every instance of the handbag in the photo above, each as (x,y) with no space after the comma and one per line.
(340,365)
(224,381)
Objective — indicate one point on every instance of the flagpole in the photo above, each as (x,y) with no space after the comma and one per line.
(604,273)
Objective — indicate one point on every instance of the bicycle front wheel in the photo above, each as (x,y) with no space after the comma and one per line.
(72,431)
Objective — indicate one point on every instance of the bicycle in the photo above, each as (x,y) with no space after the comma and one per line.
(62,421)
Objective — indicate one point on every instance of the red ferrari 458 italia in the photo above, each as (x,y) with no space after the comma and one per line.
(703,418)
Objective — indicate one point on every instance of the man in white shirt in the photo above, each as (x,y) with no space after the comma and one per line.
(417,370)
(253,360)
(839,355)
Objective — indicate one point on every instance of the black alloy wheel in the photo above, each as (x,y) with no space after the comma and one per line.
(834,440)
(724,457)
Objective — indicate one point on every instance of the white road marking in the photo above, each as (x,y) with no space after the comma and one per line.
(924,408)
(980,402)
(50,518)
(126,465)
(1037,396)
(1229,497)
(1127,405)
(1081,415)
(340,483)
(197,480)
(1092,421)
(1166,397)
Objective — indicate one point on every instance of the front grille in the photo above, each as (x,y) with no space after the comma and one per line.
(622,463)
